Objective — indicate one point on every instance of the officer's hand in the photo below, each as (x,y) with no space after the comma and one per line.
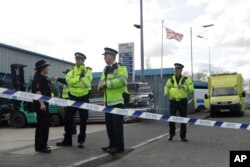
(82,74)
(180,86)
(43,107)
(54,79)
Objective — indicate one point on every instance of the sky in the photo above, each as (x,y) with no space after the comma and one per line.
(59,28)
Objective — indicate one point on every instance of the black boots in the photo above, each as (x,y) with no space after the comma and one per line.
(46,150)
(64,143)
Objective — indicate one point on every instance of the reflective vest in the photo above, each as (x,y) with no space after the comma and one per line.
(79,86)
(116,81)
(65,92)
(171,88)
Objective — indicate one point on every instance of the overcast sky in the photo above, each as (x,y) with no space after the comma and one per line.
(59,28)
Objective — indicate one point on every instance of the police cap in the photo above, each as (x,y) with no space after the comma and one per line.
(178,65)
(110,51)
(80,55)
(41,64)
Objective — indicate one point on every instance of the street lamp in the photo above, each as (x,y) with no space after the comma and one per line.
(191,45)
(209,58)
(137,26)
(142,44)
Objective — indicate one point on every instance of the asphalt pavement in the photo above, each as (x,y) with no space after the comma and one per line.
(207,147)
(137,135)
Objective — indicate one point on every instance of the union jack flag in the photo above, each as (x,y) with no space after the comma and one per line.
(173,35)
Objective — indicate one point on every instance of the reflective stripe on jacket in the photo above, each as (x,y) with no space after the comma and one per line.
(171,88)
(79,86)
(116,82)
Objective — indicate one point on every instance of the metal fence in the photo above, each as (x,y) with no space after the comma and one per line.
(157,86)
(162,102)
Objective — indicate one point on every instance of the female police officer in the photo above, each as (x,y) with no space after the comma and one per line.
(41,85)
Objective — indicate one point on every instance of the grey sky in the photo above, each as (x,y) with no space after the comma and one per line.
(58,28)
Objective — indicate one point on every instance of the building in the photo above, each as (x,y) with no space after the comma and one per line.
(148,73)
(13,55)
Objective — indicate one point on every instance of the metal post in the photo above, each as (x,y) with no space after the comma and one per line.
(162,48)
(142,45)
(191,42)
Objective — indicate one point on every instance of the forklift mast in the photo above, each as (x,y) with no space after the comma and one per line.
(18,82)
(17,74)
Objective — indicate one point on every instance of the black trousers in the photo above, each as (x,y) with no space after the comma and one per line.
(114,126)
(42,127)
(180,106)
(74,130)
(70,117)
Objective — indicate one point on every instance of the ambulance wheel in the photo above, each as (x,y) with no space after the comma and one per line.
(54,120)
(19,120)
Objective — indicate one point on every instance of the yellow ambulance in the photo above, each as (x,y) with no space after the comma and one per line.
(226,94)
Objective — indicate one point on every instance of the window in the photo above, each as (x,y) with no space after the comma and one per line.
(231,91)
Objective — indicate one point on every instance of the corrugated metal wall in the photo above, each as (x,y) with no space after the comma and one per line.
(11,56)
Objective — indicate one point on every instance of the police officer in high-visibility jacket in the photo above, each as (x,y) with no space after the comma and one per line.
(177,88)
(65,95)
(113,83)
(79,80)
(65,91)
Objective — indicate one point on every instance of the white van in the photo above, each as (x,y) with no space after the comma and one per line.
(200,89)
(247,100)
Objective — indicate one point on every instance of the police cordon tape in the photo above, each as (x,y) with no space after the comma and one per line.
(29,97)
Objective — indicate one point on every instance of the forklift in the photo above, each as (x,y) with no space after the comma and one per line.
(21,112)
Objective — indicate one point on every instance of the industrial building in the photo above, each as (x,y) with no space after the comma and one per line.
(13,55)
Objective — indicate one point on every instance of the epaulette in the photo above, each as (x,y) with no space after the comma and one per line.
(89,68)
(120,64)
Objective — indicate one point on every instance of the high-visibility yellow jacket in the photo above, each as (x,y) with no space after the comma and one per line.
(65,92)
(171,88)
(79,86)
(116,84)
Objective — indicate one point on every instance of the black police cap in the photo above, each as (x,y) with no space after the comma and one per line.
(178,65)
(81,55)
(110,51)
(41,64)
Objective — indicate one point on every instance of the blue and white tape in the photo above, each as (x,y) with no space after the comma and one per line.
(25,96)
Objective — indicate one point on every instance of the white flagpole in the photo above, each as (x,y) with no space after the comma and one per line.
(162,48)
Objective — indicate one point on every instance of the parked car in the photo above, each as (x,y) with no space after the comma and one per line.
(141,97)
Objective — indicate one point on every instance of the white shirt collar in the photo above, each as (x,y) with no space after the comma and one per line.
(112,64)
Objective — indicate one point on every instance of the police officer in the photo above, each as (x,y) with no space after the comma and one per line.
(65,95)
(113,82)
(41,85)
(177,88)
(79,80)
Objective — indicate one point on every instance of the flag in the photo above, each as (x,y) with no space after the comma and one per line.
(173,35)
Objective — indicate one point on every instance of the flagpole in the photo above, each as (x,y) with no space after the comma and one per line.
(162,22)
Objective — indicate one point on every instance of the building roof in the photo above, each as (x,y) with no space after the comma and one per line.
(147,72)
(33,53)
(157,71)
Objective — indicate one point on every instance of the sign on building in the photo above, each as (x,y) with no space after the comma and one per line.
(126,57)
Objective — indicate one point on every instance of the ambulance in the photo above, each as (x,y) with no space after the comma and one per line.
(226,94)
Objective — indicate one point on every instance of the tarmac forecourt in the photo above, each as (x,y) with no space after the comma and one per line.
(29,97)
